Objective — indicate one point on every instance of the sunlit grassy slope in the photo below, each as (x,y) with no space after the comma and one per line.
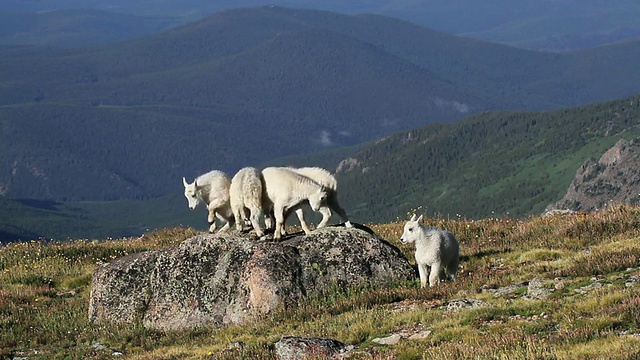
(44,293)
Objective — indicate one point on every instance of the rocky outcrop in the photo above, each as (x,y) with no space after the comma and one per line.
(297,348)
(612,180)
(229,278)
(347,165)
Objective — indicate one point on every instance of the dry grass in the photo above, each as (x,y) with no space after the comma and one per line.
(44,291)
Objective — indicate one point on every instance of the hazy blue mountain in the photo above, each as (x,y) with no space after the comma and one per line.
(124,121)
(77,27)
(548,25)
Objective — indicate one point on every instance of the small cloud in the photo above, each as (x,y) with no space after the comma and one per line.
(390,122)
(456,105)
(463,108)
(325,138)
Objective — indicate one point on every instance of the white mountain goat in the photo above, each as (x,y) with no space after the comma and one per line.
(246,193)
(285,190)
(212,189)
(326,179)
(435,248)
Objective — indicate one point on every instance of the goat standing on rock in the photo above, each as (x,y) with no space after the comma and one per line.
(211,188)
(246,193)
(435,248)
(286,190)
(324,178)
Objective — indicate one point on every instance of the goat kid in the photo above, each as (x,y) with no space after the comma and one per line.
(212,189)
(435,248)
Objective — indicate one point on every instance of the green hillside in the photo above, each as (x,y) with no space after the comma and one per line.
(25,220)
(494,164)
(33,220)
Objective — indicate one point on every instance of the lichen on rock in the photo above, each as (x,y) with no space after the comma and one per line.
(229,278)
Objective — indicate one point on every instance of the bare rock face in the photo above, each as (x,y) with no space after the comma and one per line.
(612,180)
(230,278)
(347,165)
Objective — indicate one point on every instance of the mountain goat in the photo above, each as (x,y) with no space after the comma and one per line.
(285,190)
(324,178)
(211,188)
(435,248)
(246,193)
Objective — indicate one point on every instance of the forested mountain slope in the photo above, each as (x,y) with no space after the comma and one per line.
(495,164)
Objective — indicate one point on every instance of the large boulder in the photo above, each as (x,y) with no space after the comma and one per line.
(229,278)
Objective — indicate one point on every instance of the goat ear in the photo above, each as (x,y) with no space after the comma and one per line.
(419,219)
(413,218)
(184,182)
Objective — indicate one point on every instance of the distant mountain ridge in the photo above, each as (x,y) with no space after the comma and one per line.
(247,86)
(76,27)
(543,25)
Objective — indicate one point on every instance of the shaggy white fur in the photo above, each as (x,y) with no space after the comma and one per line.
(285,190)
(246,193)
(212,189)
(435,248)
(326,179)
